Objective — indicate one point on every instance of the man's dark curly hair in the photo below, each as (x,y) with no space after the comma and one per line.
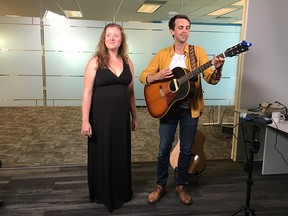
(171,23)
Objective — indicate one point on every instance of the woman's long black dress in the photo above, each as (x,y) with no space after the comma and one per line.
(109,148)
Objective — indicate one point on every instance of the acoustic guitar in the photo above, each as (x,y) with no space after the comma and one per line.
(198,159)
(161,96)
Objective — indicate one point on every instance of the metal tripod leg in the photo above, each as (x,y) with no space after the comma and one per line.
(254,148)
(248,212)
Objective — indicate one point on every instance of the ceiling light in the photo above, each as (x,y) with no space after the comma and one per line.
(50,15)
(239,3)
(73,14)
(221,11)
(12,15)
(149,7)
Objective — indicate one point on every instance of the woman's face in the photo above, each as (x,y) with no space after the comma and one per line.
(113,38)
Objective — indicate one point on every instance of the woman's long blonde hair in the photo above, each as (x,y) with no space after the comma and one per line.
(102,50)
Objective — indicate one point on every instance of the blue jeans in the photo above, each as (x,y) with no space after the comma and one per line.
(167,129)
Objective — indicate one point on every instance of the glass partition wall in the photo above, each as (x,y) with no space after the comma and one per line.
(41,81)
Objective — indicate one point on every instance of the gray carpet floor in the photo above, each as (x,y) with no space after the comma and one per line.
(220,191)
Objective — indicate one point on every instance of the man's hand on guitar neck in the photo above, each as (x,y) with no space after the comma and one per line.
(165,73)
(218,64)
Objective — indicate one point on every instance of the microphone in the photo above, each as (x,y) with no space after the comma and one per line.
(255,118)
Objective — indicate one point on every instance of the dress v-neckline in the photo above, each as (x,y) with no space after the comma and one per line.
(115,73)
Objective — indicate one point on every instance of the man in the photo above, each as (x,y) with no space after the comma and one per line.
(189,110)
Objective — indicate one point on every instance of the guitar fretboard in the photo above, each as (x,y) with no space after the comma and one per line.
(198,70)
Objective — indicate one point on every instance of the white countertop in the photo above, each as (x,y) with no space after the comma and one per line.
(282,126)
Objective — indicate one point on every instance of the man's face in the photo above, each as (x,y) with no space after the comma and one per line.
(181,30)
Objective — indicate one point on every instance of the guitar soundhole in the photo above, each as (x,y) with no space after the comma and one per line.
(174,85)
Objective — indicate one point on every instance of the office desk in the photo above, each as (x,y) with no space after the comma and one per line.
(270,136)
(275,138)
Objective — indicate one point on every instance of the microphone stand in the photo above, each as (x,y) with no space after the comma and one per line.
(254,148)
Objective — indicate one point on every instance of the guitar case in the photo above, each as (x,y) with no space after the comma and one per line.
(198,158)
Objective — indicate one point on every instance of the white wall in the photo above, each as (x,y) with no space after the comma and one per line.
(265,73)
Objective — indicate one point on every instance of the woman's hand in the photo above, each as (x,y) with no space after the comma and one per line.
(86,129)
(134,124)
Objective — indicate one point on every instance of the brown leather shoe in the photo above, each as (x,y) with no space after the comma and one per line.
(156,194)
(183,195)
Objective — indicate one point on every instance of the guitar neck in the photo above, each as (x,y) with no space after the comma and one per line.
(198,70)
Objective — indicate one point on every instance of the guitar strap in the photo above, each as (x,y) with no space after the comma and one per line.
(194,79)
(186,102)
(193,61)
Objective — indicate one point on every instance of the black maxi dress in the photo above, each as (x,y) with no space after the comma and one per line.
(109,148)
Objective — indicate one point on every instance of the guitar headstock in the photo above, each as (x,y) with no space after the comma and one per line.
(243,46)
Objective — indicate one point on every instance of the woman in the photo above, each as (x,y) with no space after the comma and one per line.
(108,102)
